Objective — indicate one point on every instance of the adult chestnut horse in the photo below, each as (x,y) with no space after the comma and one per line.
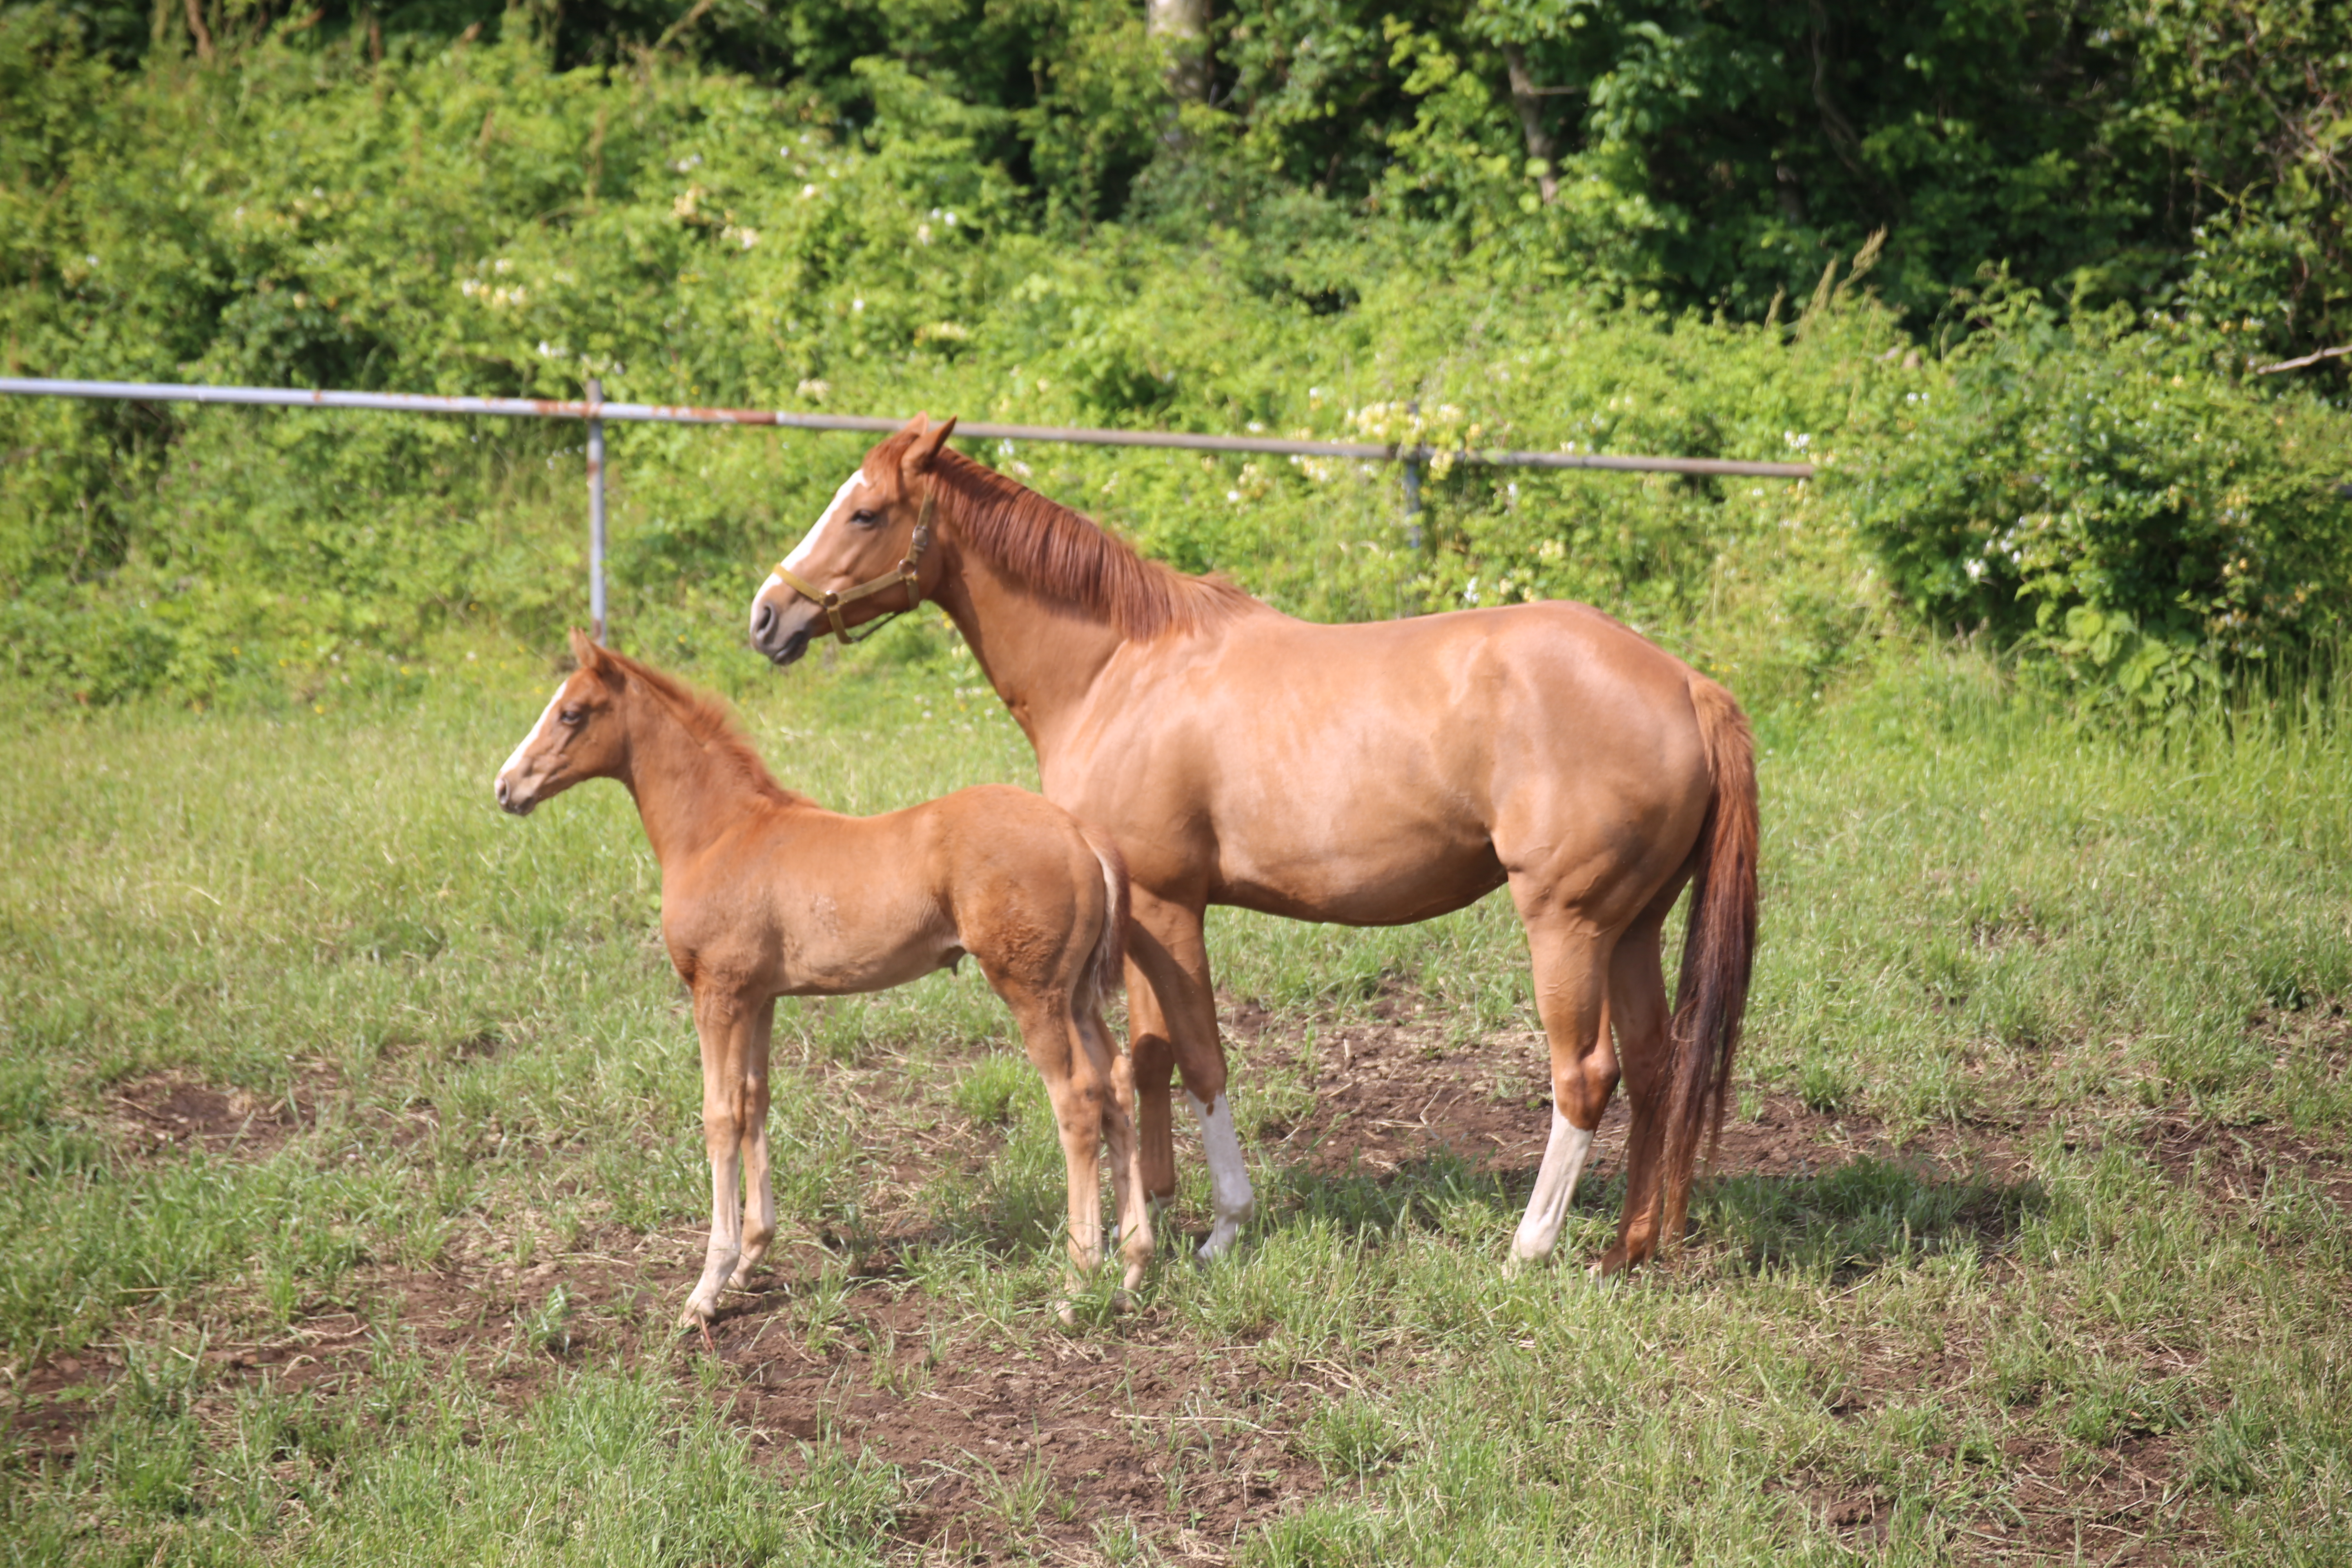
(766,894)
(1364,775)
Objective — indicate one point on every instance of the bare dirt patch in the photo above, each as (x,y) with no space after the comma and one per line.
(1397,1088)
(1046,1437)
(165,1113)
(2239,1165)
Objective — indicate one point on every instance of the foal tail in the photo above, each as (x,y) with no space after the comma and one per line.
(1108,974)
(1718,948)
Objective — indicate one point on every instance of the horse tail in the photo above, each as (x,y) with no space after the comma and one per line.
(1718,950)
(1109,973)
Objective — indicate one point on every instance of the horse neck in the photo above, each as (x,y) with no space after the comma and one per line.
(685,797)
(1042,657)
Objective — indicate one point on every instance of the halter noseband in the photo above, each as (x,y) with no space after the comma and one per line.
(909,572)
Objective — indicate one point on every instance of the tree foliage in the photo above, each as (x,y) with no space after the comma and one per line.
(996,212)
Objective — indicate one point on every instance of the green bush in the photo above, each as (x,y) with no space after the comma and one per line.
(469,220)
(2113,499)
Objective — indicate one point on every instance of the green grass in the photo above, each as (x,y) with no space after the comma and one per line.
(2025,948)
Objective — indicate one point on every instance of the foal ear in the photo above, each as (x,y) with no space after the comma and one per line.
(593,658)
(927,445)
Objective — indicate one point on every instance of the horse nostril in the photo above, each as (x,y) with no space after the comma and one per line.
(763,618)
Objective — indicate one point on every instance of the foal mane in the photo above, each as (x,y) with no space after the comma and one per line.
(1065,556)
(711,725)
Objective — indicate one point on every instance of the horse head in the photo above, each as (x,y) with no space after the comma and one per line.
(865,556)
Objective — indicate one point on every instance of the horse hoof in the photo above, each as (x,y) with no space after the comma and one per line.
(1221,1236)
(1066,1312)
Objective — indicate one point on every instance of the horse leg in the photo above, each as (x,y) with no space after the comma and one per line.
(759,1192)
(1572,968)
(1134,1215)
(1151,1062)
(1166,939)
(1081,1097)
(1637,1003)
(724,1024)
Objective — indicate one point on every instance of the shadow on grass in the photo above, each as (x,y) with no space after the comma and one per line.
(1839,1222)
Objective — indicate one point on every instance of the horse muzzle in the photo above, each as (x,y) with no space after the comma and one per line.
(512,801)
(783,635)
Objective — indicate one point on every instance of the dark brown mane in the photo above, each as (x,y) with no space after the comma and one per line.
(706,719)
(1067,557)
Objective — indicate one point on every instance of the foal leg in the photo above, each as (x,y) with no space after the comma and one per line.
(759,1192)
(1572,968)
(1133,1214)
(1080,1091)
(725,1025)
(1166,940)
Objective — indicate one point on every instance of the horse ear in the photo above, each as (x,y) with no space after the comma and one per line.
(927,445)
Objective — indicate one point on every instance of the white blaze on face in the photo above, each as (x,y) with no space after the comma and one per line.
(515,760)
(807,546)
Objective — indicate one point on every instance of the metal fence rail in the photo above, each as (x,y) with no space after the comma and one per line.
(595,411)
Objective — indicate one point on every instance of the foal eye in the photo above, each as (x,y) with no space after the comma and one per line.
(865,517)
(571,716)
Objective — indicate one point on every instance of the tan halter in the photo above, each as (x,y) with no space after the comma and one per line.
(908,572)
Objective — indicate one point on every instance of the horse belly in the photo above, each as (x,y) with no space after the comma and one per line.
(1353,866)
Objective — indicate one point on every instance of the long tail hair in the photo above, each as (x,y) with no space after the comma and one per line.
(1108,974)
(1718,950)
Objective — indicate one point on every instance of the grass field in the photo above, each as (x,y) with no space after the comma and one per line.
(353,1179)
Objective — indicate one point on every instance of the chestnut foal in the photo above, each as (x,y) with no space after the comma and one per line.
(767,894)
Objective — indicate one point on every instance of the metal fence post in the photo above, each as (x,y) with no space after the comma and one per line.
(596,510)
(1412,485)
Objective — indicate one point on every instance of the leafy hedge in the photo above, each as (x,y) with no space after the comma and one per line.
(467,219)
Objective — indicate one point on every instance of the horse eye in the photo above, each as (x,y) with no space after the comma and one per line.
(863,517)
(572,716)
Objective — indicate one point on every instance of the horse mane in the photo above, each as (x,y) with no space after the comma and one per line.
(1065,556)
(712,725)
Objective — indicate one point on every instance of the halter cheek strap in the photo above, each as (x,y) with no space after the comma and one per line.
(909,573)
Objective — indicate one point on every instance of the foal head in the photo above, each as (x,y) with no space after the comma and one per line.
(581,734)
(859,541)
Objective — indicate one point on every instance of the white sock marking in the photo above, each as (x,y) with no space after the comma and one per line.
(1229,1197)
(515,760)
(1563,1162)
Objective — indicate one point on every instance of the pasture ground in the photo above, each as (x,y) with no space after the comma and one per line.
(355,1180)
